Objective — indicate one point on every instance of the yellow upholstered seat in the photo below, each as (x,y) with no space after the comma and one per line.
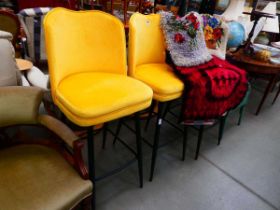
(166,86)
(146,59)
(87,65)
(55,185)
(146,62)
(92,99)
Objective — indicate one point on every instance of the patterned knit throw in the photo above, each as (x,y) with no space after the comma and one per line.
(211,89)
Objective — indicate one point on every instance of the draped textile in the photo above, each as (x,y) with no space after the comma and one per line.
(211,89)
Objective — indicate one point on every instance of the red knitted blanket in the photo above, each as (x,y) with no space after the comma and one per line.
(211,89)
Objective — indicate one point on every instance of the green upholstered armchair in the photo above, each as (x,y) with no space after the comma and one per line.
(39,174)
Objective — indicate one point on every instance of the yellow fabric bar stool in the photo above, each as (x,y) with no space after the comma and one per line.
(87,64)
(146,62)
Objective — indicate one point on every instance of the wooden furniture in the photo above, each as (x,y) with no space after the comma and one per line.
(23,64)
(9,22)
(265,70)
(127,8)
(173,9)
(120,8)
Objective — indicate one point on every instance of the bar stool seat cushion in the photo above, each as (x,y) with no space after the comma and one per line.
(160,77)
(91,98)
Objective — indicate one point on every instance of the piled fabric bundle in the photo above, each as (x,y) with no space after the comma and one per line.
(212,86)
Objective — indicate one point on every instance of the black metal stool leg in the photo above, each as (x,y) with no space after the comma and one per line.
(151,110)
(221,128)
(185,139)
(241,111)
(91,164)
(105,131)
(118,131)
(201,129)
(166,109)
(156,139)
(139,148)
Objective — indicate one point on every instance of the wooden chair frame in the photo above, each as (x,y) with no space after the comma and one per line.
(15,18)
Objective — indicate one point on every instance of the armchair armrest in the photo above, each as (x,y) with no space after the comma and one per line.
(19,105)
(69,138)
(60,129)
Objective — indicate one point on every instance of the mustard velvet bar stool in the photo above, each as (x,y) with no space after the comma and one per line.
(87,65)
(146,62)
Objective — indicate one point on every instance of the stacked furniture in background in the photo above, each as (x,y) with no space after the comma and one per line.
(31,20)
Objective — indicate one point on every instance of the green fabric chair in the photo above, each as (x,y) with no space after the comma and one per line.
(240,107)
(39,174)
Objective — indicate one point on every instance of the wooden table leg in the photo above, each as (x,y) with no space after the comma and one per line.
(268,88)
(276,96)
